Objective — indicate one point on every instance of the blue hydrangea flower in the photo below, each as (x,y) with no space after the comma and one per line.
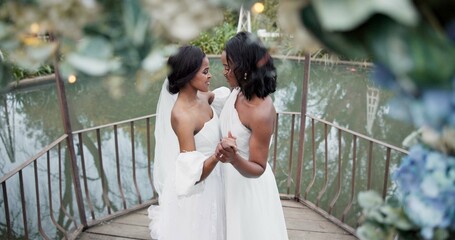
(426,184)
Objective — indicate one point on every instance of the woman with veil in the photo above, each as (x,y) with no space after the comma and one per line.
(187,175)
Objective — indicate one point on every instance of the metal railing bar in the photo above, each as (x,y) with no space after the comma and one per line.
(291,148)
(102,174)
(313,150)
(60,187)
(23,203)
(112,124)
(117,162)
(49,188)
(8,220)
(84,176)
(38,208)
(354,156)
(337,195)
(134,162)
(149,157)
(370,163)
(358,134)
(386,174)
(326,169)
(32,159)
(275,143)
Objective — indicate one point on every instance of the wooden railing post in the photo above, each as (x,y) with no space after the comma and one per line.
(63,104)
(303,109)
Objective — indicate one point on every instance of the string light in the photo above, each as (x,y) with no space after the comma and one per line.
(72,78)
(34,28)
(258,7)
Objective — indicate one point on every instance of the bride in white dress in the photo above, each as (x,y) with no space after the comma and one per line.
(186,174)
(253,207)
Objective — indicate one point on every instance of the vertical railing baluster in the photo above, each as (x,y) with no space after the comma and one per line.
(275,143)
(313,149)
(38,207)
(49,188)
(8,220)
(117,162)
(23,203)
(84,176)
(149,157)
(386,174)
(134,163)
(326,163)
(60,187)
(335,199)
(303,109)
(354,156)
(102,174)
(370,163)
(291,150)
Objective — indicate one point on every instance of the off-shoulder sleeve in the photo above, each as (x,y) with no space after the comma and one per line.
(189,167)
(221,95)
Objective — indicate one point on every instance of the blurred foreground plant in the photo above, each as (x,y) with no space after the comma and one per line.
(412,44)
(110,39)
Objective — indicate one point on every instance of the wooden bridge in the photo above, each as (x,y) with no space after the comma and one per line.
(302,223)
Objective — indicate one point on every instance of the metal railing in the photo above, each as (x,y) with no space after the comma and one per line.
(337,163)
(114,167)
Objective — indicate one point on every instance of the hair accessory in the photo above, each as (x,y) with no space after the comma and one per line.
(244,76)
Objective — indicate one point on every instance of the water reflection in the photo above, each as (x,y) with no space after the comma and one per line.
(30,120)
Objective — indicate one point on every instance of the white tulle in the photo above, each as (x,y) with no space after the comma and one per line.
(166,142)
(186,210)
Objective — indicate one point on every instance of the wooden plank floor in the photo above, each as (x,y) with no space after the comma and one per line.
(301,222)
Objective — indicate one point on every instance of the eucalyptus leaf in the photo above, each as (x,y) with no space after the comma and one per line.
(370,231)
(345,15)
(41,52)
(347,44)
(92,66)
(96,47)
(369,199)
(417,54)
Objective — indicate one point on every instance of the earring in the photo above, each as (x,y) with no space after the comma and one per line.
(244,76)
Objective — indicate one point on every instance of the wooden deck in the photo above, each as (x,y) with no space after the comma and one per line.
(301,222)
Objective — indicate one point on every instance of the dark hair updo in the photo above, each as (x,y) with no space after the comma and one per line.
(183,66)
(252,65)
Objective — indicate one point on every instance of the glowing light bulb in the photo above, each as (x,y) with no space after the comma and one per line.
(72,78)
(34,28)
(258,7)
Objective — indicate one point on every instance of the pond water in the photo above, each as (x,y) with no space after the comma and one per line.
(343,94)
(30,119)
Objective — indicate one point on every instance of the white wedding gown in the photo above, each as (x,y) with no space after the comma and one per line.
(253,206)
(189,211)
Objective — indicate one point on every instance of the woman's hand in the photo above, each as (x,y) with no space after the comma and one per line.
(227,149)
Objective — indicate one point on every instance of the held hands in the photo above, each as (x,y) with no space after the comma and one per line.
(226,150)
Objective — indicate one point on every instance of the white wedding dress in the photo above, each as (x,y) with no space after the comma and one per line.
(188,211)
(253,206)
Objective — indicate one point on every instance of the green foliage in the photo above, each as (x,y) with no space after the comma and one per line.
(411,46)
(212,41)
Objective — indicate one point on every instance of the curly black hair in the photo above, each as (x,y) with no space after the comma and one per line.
(184,65)
(252,65)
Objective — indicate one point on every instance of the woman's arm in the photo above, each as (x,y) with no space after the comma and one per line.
(184,125)
(261,124)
